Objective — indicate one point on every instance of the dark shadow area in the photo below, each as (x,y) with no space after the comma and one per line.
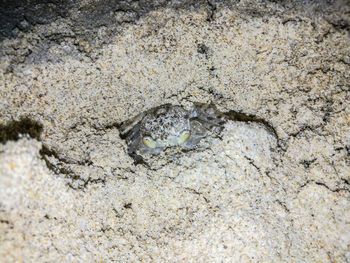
(82,28)
(61,167)
(23,14)
(12,130)
(45,152)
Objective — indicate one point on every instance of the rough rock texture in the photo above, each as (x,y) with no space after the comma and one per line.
(68,189)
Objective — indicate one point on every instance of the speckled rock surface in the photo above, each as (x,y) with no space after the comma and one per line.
(70,192)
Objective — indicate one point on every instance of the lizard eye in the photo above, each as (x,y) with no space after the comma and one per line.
(148,141)
(184,137)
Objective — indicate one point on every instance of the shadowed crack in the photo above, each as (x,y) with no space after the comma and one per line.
(283,205)
(62,167)
(251,161)
(45,153)
(193,191)
(335,190)
(239,116)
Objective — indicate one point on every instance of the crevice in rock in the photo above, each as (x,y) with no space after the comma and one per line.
(335,190)
(239,116)
(251,161)
(283,205)
(61,168)
(292,19)
(193,191)
(45,153)
(302,129)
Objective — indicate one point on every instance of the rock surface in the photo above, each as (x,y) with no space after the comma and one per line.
(70,192)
